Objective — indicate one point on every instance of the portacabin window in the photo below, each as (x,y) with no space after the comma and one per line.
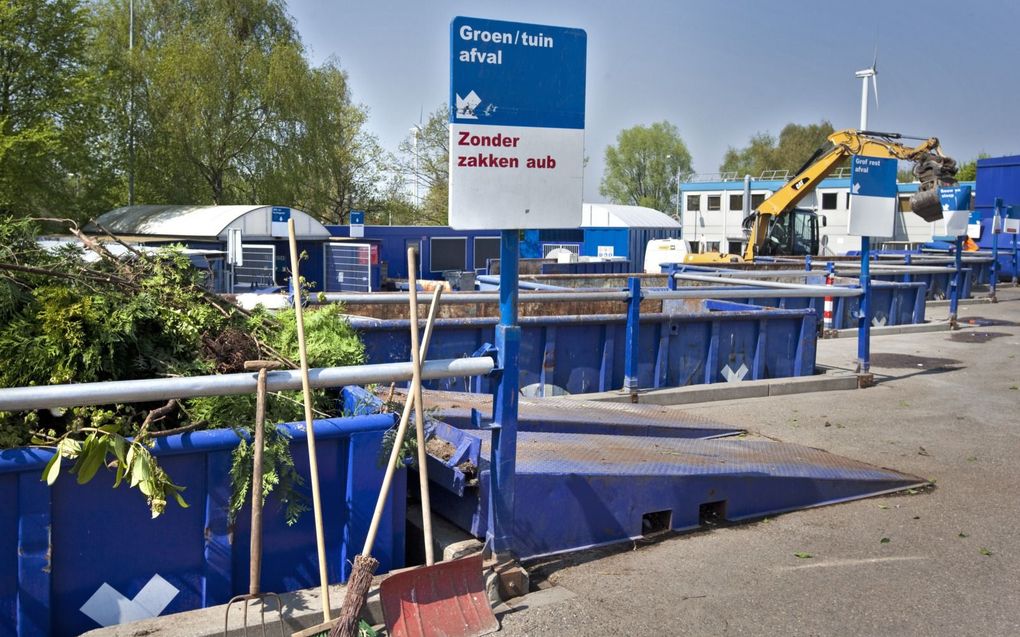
(736,202)
(830,200)
(694,202)
(714,202)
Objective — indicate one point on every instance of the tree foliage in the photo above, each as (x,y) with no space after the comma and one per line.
(214,103)
(48,133)
(423,157)
(643,167)
(67,319)
(968,169)
(795,145)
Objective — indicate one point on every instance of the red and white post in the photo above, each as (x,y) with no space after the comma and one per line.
(827,310)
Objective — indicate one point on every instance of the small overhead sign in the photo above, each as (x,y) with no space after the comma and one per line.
(872,196)
(357,220)
(516,124)
(955,210)
(280,217)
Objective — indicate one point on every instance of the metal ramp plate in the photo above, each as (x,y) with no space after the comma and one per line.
(576,491)
(564,415)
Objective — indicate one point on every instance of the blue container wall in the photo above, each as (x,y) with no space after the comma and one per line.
(59,545)
(584,354)
(615,238)
(394,241)
(997,178)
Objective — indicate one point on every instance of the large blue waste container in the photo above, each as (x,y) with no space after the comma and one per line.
(89,546)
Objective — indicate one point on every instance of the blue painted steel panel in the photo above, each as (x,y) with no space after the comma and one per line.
(99,535)
(605,486)
(615,238)
(587,267)
(572,351)
(394,240)
(8,552)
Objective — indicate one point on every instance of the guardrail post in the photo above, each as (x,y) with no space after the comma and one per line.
(956,284)
(996,220)
(1016,264)
(671,279)
(807,262)
(864,320)
(630,378)
(503,452)
(907,277)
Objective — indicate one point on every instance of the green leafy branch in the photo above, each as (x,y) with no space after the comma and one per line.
(129,458)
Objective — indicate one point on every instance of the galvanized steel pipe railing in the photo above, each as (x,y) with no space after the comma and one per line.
(799,288)
(155,389)
(388,298)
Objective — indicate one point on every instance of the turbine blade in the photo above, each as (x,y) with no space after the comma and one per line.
(874,84)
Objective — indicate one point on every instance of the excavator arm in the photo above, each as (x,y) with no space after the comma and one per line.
(931,167)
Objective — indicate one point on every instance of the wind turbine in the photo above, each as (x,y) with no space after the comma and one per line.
(864,74)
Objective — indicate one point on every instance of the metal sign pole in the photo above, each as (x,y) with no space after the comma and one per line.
(957,285)
(996,226)
(503,450)
(864,322)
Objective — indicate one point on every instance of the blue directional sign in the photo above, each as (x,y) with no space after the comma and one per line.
(955,198)
(357,217)
(873,176)
(872,196)
(516,124)
(280,217)
(516,74)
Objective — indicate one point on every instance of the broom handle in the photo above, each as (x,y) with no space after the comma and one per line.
(391,467)
(313,464)
(419,420)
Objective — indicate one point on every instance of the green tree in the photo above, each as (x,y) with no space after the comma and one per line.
(968,169)
(642,168)
(424,155)
(795,145)
(48,154)
(331,164)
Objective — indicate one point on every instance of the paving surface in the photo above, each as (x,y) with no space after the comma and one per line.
(940,562)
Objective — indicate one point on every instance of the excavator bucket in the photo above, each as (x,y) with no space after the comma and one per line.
(926,204)
(933,171)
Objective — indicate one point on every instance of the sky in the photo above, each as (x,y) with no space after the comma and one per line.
(720,71)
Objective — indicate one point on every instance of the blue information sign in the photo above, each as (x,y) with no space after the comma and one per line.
(357,217)
(516,74)
(872,196)
(955,198)
(873,176)
(281,214)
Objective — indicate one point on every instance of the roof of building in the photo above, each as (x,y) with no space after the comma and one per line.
(206,222)
(620,216)
(772,185)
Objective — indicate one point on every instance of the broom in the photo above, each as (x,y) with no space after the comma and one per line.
(346,625)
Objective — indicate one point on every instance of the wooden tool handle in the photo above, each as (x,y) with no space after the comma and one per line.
(313,465)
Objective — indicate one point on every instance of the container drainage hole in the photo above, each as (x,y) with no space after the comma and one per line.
(656,522)
(712,513)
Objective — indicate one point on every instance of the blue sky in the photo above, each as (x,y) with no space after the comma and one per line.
(720,71)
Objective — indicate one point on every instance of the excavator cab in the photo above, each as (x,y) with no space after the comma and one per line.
(792,233)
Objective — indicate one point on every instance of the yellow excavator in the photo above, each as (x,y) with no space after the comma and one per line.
(779,228)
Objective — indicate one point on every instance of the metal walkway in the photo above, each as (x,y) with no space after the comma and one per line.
(576,491)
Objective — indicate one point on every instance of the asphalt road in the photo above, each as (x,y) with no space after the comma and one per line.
(946,407)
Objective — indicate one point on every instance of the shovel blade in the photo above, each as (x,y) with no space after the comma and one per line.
(444,600)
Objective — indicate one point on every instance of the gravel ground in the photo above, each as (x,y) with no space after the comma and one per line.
(940,562)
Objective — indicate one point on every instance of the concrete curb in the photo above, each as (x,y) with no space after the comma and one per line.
(829,381)
(972,301)
(889,330)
